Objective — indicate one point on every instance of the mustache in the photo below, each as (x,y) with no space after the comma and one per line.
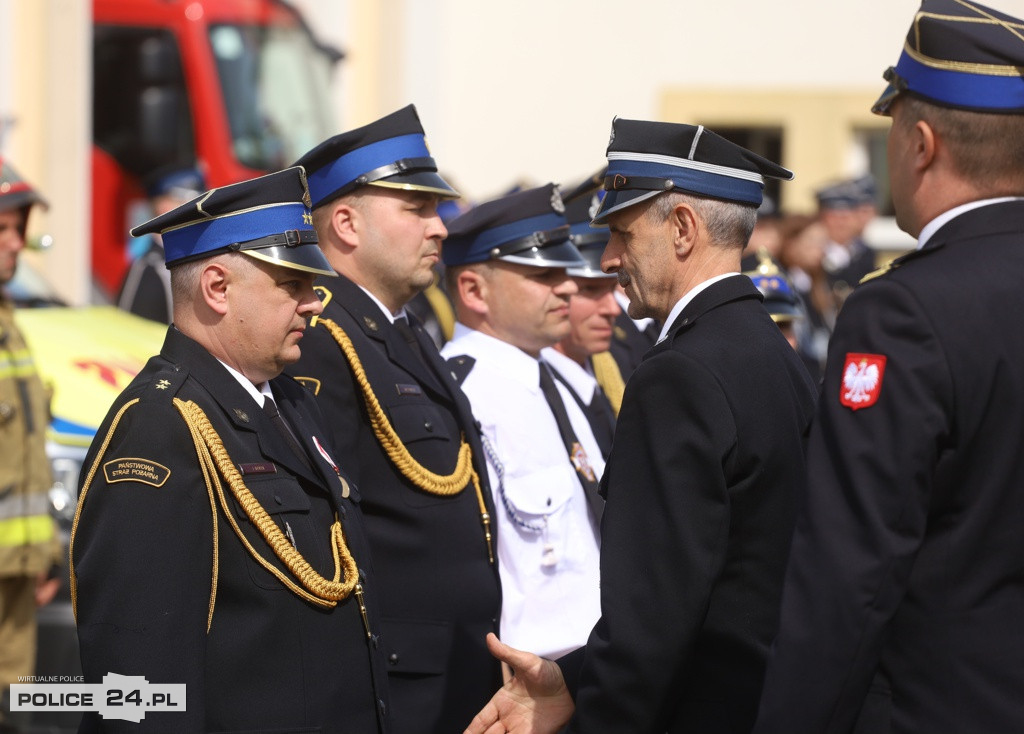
(623,278)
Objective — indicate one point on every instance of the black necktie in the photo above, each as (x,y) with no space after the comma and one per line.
(602,420)
(577,455)
(598,411)
(270,408)
(652,332)
(402,324)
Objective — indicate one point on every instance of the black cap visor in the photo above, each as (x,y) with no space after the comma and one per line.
(306,258)
(897,85)
(550,249)
(428,181)
(615,201)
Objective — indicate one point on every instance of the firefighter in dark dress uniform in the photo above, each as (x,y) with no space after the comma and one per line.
(217,543)
(706,466)
(399,418)
(902,606)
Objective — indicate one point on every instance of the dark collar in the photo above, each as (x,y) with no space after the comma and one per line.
(729,289)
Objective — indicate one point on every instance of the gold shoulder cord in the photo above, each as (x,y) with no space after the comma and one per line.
(213,457)
(419,475)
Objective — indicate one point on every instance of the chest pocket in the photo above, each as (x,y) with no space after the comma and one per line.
(277,493)
(419,422)
(542,491)
(289,507)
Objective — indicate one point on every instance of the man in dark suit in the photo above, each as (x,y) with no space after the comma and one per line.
(399,418)
(902,605)
(708,459)
(217,543)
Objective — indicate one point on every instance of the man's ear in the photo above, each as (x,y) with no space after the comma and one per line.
(346,223)
(473,287)
(685,225)
(213,286)
(923,145)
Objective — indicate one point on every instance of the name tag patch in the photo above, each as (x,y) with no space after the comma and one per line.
(136,470)
(408,389)
(263,467)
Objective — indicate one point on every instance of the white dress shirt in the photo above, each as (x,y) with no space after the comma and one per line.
(580,378)
(550,574)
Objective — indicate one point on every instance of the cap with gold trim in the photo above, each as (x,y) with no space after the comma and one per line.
(390,152)
(960,54)
(527,227)
(15,192)
(267,218)
(649,158)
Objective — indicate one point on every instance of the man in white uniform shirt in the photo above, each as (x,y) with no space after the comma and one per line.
(507,263)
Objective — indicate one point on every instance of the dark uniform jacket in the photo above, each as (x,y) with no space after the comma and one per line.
(629,344)
(440,593)
(905,591)
(143,554)
(701,489)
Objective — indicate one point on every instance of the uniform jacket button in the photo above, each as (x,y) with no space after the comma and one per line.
(393,658)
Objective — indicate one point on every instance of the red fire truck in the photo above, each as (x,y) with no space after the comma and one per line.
(235,87)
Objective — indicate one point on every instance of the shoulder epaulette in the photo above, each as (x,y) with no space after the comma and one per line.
(460,367)
(897,262)
(325,296)
(165,384)
(881,271)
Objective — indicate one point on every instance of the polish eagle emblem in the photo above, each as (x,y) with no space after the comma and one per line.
(862,380)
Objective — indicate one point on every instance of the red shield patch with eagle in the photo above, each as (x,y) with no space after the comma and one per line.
(862,380)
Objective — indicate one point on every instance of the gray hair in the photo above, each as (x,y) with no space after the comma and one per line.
(728,223)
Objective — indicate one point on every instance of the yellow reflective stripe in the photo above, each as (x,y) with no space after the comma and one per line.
(17,363)
(26,531)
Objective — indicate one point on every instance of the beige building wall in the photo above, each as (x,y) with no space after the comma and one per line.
(527,90)
(508,92)
(47,98)
(819,128)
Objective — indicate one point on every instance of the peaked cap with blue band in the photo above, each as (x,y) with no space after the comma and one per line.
(581,204)
(960,54)
(527,227)
(649,158)
(390,152)
(267,218)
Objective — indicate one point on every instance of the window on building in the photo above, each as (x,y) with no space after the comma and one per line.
(141,112)
(766,142)
(871,144)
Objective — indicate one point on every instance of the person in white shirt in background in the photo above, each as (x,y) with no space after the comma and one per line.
(506,269)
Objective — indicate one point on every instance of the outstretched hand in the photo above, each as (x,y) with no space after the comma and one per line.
(534,701)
